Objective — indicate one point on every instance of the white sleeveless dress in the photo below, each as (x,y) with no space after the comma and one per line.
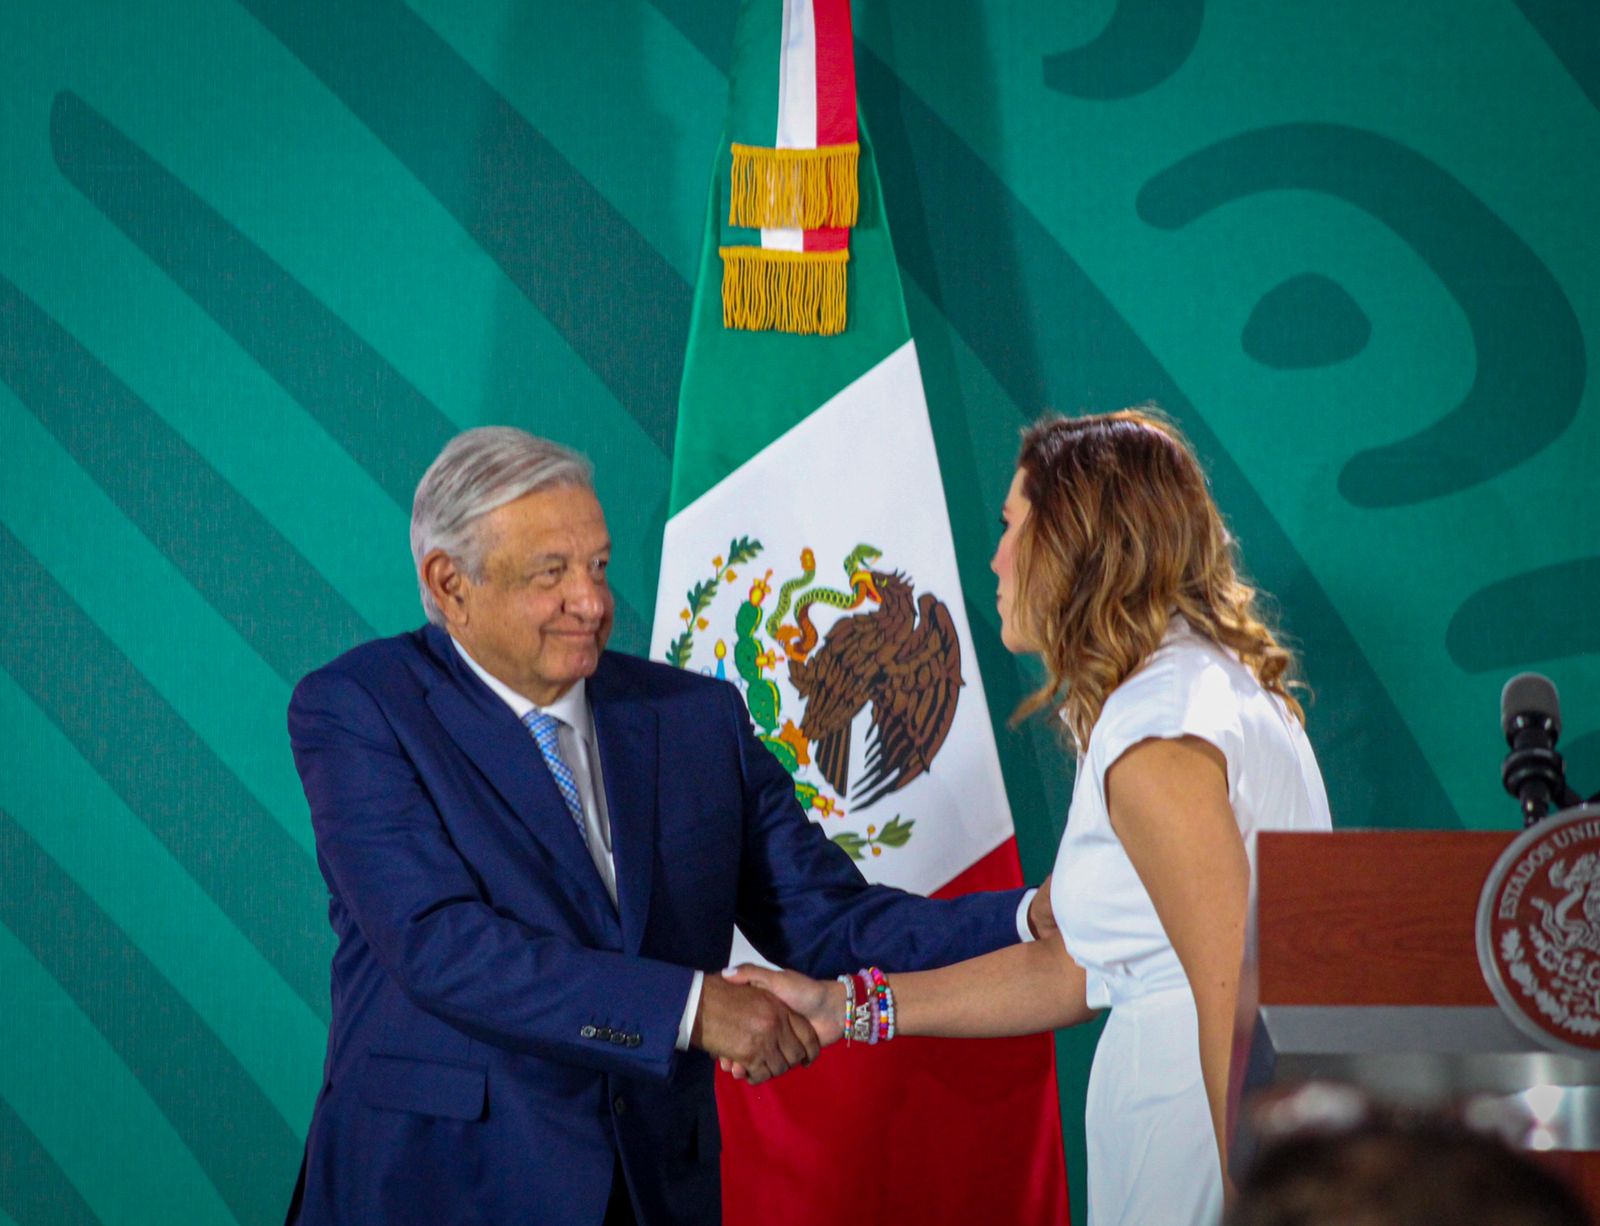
(1152,1155)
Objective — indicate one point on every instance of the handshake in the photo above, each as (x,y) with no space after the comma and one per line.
(760,1023)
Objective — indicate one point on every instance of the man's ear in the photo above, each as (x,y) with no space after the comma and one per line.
(448,584)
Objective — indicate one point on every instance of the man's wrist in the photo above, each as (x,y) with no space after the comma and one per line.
(689,1024)
(1024,924)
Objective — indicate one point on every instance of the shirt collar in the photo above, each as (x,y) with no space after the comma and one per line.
(572,708)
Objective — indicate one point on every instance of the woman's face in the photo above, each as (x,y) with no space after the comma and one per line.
(1004,563)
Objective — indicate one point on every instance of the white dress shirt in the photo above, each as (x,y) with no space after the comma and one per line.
(579,747)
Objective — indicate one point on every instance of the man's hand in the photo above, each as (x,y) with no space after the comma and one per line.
(821,1002)
(1041,919)
(744,1026)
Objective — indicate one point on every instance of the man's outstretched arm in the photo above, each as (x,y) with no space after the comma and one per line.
(387,857)
(804,904)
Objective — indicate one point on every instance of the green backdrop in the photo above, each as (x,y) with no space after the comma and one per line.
(259,258)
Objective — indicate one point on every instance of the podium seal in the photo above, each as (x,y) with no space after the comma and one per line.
(1539,931)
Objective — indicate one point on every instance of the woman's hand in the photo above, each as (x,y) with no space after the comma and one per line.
(1041,917)
(820,1002)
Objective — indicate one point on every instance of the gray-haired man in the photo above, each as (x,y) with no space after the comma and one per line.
(535,851)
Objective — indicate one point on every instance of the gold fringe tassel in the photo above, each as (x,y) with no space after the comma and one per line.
(785,189)
(764,290)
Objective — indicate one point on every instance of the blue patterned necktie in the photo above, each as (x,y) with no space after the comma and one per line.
(544,728)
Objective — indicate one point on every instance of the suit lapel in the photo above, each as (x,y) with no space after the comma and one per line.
(627,731)
(486,731)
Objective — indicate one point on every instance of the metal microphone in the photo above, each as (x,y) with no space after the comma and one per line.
(1533,772)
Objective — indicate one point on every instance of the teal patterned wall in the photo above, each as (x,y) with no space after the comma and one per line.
(259,258)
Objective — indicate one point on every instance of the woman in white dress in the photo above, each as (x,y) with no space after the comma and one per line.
(1116,570)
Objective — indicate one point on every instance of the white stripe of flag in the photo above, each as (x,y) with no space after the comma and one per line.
(797,100)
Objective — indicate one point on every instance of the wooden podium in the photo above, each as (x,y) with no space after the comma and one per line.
(1368,973)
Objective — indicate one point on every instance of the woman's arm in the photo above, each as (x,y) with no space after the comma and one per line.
(1168,801)
(1021,989)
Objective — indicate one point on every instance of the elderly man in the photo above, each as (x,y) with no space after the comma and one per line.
(534,851)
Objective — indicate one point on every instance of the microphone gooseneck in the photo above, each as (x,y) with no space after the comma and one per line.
(1533,772)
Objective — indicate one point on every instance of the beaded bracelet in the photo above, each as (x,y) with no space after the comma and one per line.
(868,1007)
(883,1005)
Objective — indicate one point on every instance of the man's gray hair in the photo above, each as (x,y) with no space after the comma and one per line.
(477,471)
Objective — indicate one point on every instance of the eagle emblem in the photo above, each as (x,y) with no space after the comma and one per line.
(887,650)
(902,658)
(1539,931)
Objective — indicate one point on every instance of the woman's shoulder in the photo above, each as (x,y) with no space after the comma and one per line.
(1184,659)
(1188,685)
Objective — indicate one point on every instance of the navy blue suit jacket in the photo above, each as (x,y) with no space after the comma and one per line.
(501,1033)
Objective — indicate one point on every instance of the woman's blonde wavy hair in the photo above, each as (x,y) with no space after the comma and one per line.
(1121,535)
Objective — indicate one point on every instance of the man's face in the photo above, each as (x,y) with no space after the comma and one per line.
(542,611)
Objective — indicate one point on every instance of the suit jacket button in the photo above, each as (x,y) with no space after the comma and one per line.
(634,1040)
(602,1033)
(618,1037)
(587,1032)
(619,1105)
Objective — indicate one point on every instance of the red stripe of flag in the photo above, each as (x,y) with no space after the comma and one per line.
(836,98)
(836,73)
(918,1130)
(835,238)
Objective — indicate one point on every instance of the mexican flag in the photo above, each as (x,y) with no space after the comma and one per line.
(808,559)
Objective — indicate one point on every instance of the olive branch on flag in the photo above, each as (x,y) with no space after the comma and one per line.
(896,834)
(700,596)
